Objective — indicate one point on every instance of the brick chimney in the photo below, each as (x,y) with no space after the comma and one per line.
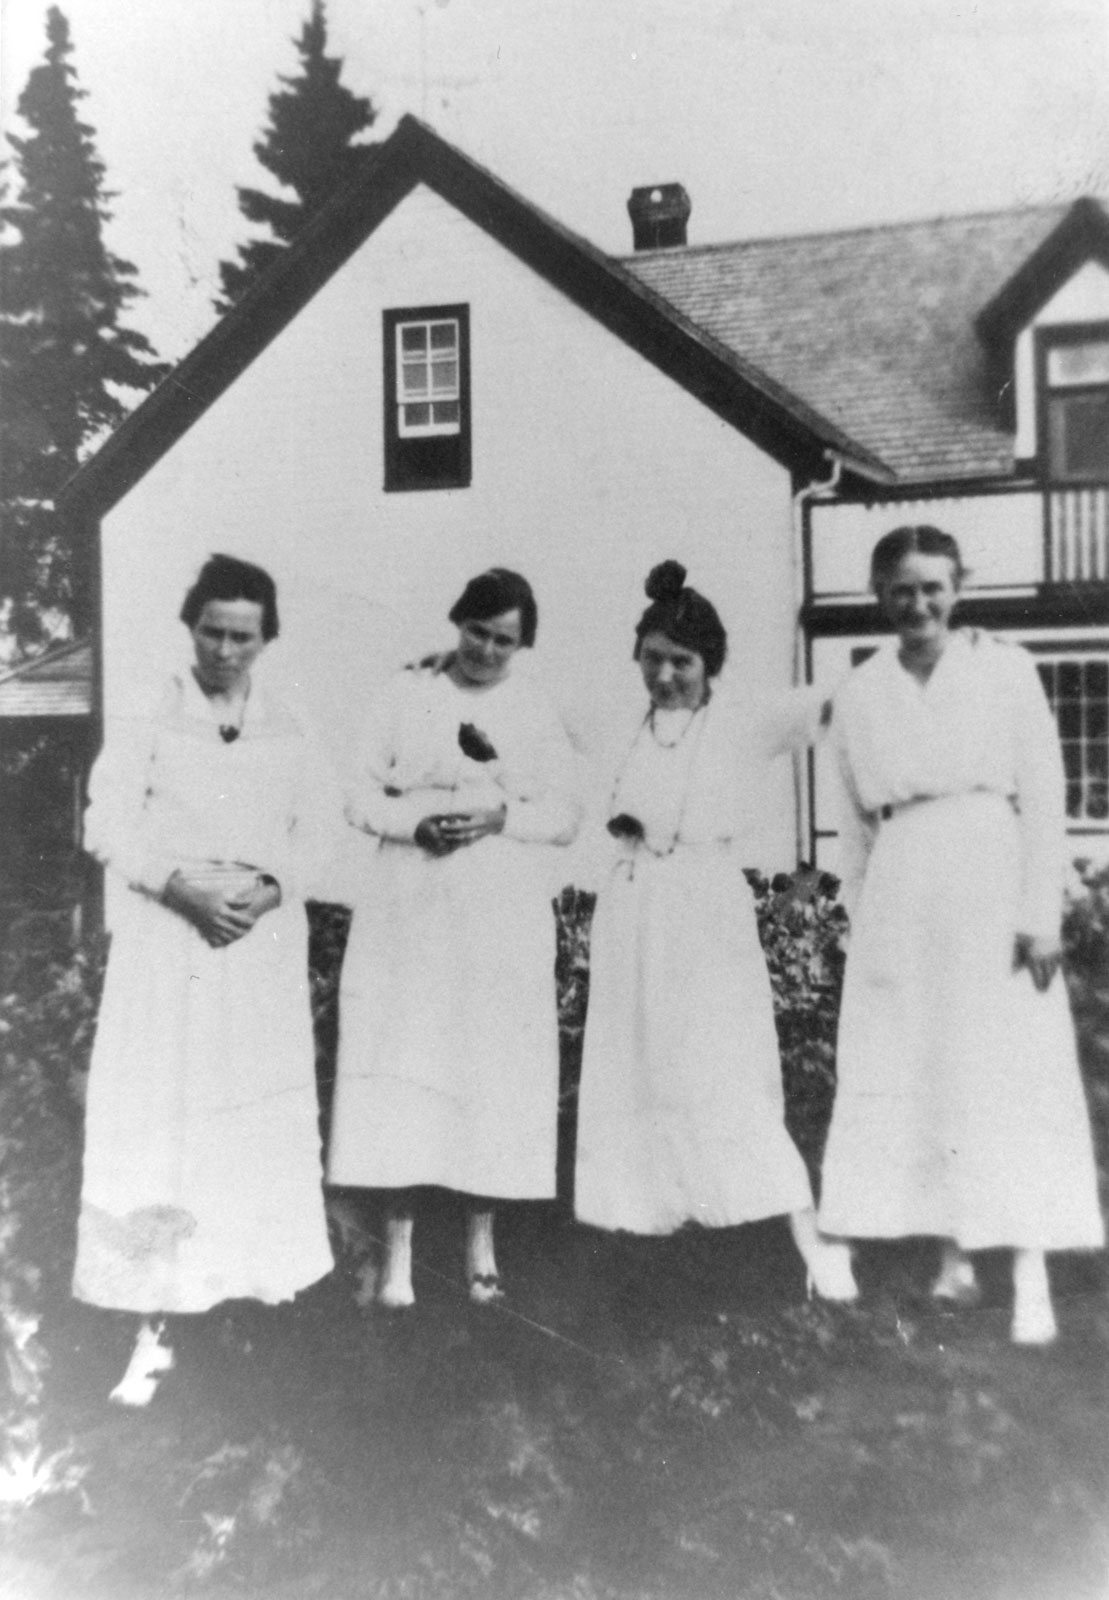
(659,213)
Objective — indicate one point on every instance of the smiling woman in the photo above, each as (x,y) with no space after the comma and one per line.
(681,1116)
(448,1049)
(959,1110)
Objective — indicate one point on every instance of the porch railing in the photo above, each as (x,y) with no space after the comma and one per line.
(1078,535)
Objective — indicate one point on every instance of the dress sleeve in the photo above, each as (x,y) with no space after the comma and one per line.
(371,806)
(316,823)
(858,828)
(792,721)
(1040,801)
(115,831)
(551,814)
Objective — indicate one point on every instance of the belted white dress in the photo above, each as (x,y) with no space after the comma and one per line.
(959,1109)
(448,1028)
(202,1167)
(681,1105)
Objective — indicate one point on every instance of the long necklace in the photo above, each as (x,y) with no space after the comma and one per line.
(663,744)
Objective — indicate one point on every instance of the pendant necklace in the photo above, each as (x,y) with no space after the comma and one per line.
(663,744)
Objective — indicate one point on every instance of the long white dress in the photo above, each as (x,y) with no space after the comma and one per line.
(448,1032)
(959,1109)
(202,1170)
(681,1107)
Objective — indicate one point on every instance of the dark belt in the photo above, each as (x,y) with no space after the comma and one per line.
(887,813)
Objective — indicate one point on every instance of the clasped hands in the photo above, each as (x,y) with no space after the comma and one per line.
(444,832)
(223,901)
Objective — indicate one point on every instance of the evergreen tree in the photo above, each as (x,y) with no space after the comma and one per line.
(308,147)
(65,360)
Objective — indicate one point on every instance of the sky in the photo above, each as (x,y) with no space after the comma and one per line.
(778,116)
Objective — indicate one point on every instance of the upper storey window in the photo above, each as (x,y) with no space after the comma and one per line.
(1074,387)
(427,398)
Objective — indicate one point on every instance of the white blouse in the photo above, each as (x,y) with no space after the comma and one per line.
(981,722)
(412,765)
(166,792)
(702,780)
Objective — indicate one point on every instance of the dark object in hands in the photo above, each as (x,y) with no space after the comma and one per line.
(473,743)
(625,827)
(228,732)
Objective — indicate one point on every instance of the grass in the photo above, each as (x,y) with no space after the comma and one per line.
(641,1420)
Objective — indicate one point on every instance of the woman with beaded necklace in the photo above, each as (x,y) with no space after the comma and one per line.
(681,1112)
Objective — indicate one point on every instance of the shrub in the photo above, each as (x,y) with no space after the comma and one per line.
(803,929)
(1086,963)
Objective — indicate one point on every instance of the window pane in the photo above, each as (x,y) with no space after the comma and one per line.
(1097,720)
(1070,719)
(1078,436)
(1097,679)
(446,411)
(414,380)
(444,335)
(417,416)
(1069,680)
(1078,688)
(444,377)
(413,337)
(1078,363)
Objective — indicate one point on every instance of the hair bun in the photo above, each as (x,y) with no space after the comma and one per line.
(666,581)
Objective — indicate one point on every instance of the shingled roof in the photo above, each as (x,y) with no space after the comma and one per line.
(874,328)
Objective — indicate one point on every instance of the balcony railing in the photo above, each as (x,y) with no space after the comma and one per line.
(1078,535)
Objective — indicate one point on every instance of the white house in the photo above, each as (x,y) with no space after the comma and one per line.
(438,377)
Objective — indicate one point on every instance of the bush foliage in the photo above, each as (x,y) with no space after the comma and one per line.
(678,1410)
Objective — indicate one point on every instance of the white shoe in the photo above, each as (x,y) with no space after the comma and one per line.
(481,1262)
(395,1287)
(485,1288)
(1033,1321)
(1033,1315)
(831,1274)
(395,1294)
(150,1360)
(957,1283)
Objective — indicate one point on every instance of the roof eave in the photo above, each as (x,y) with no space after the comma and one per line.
(748,399)
(1083,235)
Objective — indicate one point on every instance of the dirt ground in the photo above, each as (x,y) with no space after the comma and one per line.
(657,1419)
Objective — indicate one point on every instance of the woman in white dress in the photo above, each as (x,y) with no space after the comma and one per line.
(448,1046)
(202,1169)
(959,1111)
(681,1106)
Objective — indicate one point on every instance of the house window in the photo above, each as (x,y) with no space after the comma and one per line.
(1077,685)
(1074,368)
(427,398)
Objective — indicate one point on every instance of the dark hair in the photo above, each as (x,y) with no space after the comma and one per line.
(228,578)
(493,592)
(682,615)
(922,540)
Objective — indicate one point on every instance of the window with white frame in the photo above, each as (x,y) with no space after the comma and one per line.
(1074,388)
(1077,684)
(428,362)
(427,397)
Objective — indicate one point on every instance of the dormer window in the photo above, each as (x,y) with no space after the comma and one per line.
(427,397)
(1074,389)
